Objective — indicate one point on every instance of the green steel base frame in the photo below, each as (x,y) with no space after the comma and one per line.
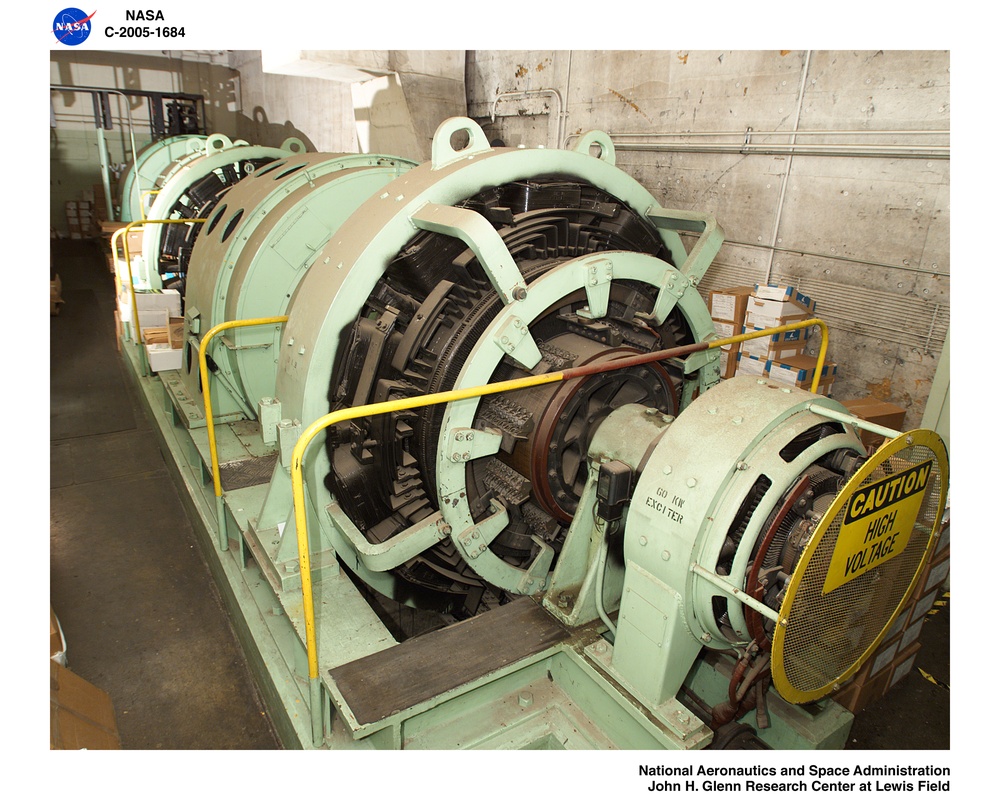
(560,697)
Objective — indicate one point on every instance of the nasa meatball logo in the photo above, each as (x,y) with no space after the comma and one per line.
(72,26)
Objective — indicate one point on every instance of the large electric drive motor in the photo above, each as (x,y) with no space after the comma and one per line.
(482,265)
(677,511)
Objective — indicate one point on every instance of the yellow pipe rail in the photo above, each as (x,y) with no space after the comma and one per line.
(206,389)
(123,232)
(298,452)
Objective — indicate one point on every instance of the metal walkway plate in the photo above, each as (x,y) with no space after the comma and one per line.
(247,472)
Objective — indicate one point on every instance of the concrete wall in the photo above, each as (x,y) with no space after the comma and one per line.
(75,165)
(867,236)
(376,101)
(273,107)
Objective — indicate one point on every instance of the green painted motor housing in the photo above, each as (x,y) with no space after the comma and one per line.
(188,189)
(141,178)
(483,264)
(642,517)
(261,239)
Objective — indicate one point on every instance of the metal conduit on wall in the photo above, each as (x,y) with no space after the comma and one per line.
(927,320)
(554,140)
(745,144)
(913,321)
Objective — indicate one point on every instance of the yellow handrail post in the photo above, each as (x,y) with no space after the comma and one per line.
(139,224)
(806,323)
(419,401)
(223,535)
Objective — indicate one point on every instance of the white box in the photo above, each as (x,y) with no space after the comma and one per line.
(780,308)
(154,306)
(163,357)
(751,365)
(775,346)
(799,370)
(783,293)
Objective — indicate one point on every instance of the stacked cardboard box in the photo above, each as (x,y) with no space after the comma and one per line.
(800,370)
(770,306)
(896,655)
(728,308)
(86,214)
(164,344)
(99,203)
(780,356)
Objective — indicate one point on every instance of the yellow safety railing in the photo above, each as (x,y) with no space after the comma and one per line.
(122,235)
(298,453)
(206,389)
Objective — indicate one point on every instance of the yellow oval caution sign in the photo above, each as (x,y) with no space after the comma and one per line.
(878,521)
(860,566)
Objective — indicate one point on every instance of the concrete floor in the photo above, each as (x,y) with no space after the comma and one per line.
(141,615)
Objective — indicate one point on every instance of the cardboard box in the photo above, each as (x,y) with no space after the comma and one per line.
(729,305)
(784,293)
(164,345)
(758,319)
(775,346)
(81,716)
(878,411)
(747,364)
(881,412)
(799,370)
(55,296)
(944,539)
(727,360)
(727,329)
(922,605)
(134,241)
(153,306)
(858,694)
(911,634)
(937,573)
(903,664)
(162,357)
